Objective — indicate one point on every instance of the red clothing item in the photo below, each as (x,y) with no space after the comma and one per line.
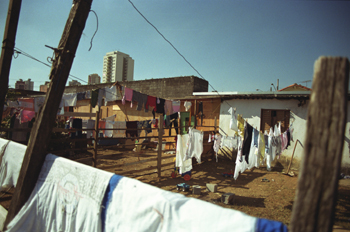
(151,101)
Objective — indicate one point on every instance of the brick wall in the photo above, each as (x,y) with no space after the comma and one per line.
(175,87)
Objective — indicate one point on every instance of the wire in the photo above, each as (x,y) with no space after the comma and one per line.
(174,48)
(95,31)
(19,51)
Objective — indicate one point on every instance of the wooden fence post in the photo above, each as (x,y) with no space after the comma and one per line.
(313,209)
(97,120)
(160,144)
(8,45)
(40,134)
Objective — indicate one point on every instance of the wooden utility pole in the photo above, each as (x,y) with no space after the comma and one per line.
(41,132)
(8,44)
(316,195)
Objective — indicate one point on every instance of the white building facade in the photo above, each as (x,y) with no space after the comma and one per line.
(117,66)
(290,108)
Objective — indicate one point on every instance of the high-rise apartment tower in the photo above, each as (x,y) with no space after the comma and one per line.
(117,66)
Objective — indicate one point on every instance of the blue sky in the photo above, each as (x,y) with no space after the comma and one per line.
(237,45)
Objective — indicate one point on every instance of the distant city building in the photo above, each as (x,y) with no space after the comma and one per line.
(117,66)
(74,83)
(94,79)
(45,87)
(26,85)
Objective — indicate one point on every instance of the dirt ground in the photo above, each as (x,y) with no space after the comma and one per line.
(272,199)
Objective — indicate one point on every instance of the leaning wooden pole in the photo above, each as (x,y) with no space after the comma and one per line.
(8,45)
(41,132)
(313,209)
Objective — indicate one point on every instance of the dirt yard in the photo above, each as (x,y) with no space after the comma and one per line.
(271,199)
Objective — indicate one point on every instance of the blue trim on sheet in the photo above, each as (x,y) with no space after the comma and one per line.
(265,225)
(113,182)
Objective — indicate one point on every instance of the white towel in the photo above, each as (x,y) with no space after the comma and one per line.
(67,197)
(11,163)
(136,206)
(181,148)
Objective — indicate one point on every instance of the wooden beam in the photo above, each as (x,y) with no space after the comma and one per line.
(42,129)
(160,145)
(97,120)
(78,114)
(8,45)
(313,209)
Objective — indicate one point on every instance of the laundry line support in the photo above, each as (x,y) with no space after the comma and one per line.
(7,48)
(94,158)
(316,194)
(160,145)
(40,135)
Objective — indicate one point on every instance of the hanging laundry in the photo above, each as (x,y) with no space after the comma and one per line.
(101,95)
(111,94)
(284,140)
(109,125)
(77,123)
(119,125)
(253,152)
(26,103)
(127,95)
(173,121)
(102,126)
(269,150)
(240,125)
(67,197)
(94,97)
(233,119)
(69,99)
(26,116)
(195,144)
(216,146)
(144,125)
(11,158)
(168,107)
(141,100)
(241,164)
(261,146)
(181,148)
(187,105)
(131,129)
(151,101)
(176,106)
(160,106)
(88,94)
(110,118)
(90,126)
(229,142)
(248,130)
(80,96)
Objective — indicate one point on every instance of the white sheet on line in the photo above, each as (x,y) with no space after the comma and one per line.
(67,197)
(181,148)
(10,163)
(136,206)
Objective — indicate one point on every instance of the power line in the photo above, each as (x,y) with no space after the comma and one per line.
(19,51)
(174,48)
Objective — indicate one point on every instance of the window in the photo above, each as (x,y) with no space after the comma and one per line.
(270,118)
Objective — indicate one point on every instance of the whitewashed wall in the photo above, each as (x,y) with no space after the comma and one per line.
(250,109)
